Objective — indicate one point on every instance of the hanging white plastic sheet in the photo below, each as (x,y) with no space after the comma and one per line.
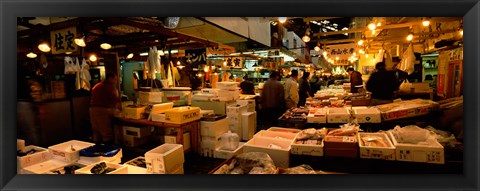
(407,63)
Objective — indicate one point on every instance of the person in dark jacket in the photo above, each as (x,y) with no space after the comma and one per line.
(247,86)
(382,84)
(355,80)
(272,100)
(304,90)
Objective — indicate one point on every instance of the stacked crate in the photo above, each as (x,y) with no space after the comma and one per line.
(234,114)
(210,132)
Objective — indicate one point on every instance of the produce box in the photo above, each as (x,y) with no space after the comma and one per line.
(119,169)
(173,140)
(43,167)
(368,115)
(288,130)
(227,85)
(338,115)
(20,144)
(68,169)
(134,112)
(278,150)
(418,153)
(150,97)
(277,135)
(40,155)
(131,141)
(386,152)
(406,109)
(182,115)
(136,166)
(137,132)
(165,158)
(341,146)
(68,151)
(214,128)
(225,154)
(361,102)
(307,149)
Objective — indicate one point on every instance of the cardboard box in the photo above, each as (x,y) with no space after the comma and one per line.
(41,155)
(406,109)
(369,152)
(20,144)
(64,152)
(338,115)
(182,115)
(418,153)
(138,132)
(368,115)
(134,112)
(160,109)
(131,141)
(214,128)
(249,125)
(228,85)
(90,160)
(150,97)
(224,154)
(119,169)
(43,167)
(282,129)
(277,135)
(307,149)
(173,140)
(281,156)
(164,158)
(341,146)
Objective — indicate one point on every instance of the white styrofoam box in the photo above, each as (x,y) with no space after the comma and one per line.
(277,135)
(227,85)
(64,152)
(249,125)
(203,97)
(20,144)
(138,132)
(164,158)
(62,168)
(119,169)
(230,94)
(134,112)
(307,149)
(317,116)
(234,113)
(369,152)
(133,169)
(224,154)
(150,97)
(180,115)
(368,115)
(161,108)
(89,160)
(43,167)
(158,117)
(206,112)
(418,153)
(41,155)
(338,115)
(214,128)
(229,98)
(249,102)
(173,140)
(281,155)
(282,129)
(178,95)
(211,91)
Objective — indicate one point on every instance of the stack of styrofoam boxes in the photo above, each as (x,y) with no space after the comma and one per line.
(205,94)
(210,132)
(227,91)
(136,136)
(432,153)
(133,168)
(165,159)
(23,162)
(249,119)
(172,138)
(277,149)
(376,152)
(146,98)
(234,114)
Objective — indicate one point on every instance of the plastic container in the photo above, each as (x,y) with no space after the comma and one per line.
(229,141)
(64,151)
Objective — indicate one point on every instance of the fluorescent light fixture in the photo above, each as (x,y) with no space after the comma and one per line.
(144,54)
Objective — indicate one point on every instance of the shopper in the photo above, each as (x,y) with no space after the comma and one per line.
(315,83)
(103,102)
(272,99)
(382,84)
(247,86)
(291,90)
(355,80)
(305,89)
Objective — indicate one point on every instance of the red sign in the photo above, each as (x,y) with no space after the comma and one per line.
(441,84)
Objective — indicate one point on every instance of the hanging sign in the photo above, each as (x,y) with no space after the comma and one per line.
(63,40)
(456,54)
(342,52)
(197,56)
(234,62)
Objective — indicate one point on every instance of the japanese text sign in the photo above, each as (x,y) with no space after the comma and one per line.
(63,40)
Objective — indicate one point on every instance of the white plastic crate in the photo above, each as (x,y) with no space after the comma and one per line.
(307,149)
(64,152)
(119,169)
(41,155)
(43,167)
(164,158)
(224,154)
(338,115)
(386,153)
(281,156)
(277,135)
(368,115)
(214,128)
(418,153)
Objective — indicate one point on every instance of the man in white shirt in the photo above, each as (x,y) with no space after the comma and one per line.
(291,90)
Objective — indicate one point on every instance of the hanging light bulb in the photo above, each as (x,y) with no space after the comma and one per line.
(425,23)
(67,53)
(105,46)
(372,26)
(161,53)
(93,58)
(360,42)
(31,55)
(80,41)
(44,47)
(282,19)
(410,37)
(317,48)
(306,38)
(224,63)
(130,56)
(178,63)
(206,69)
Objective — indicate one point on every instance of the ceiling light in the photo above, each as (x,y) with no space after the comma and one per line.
(31,55)
(130,56)
(156,40)
(317,48)
(105,46)
(80,42)
(366,55)
(379,24)
(282,19)
(337,58)
(44,47)
(68,53)
(224,63)
(178,63)
(144,54)
(410,37)
(93,58)
(426,23)
(360,42)
(306,38)
(161,53)
(371,26)
(461,31)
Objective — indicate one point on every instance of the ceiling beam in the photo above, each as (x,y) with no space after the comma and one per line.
(54,26)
